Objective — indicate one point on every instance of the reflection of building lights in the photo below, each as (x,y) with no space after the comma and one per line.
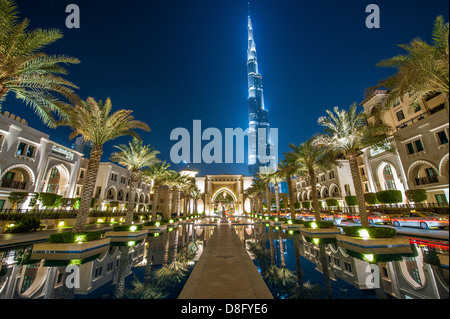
(131,243)
(368,257)
(316,241)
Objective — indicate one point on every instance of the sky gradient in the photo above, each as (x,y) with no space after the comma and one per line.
(173,62)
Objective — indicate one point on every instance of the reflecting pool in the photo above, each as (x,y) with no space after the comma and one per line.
(153,267)
(297,267)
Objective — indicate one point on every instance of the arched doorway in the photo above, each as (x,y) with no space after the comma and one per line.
(57,180)
(224,202)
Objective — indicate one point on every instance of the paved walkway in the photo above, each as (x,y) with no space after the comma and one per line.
(225,271)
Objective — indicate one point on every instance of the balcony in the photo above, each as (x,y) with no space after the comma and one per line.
(426,180)
(13,184)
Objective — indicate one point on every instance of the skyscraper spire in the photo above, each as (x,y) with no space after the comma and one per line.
(259,145)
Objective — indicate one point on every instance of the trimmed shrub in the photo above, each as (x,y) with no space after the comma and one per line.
(50,199)
(25,224)
(306,205)
(167,221)
(351,200)
(298,221)
(331,202)
(151,223)
(297,205)
(374,232)
(126,227)
(416,195)
(390,196)
(321,224)
(371,198)
(71,238)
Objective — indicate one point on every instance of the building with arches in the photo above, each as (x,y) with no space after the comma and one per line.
(31,162)
(417,153)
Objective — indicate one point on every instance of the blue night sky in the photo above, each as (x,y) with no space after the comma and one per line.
(176,61)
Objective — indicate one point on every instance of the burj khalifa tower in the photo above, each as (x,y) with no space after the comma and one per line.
(260,147)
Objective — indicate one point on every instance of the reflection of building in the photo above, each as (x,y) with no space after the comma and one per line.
(30,162)
(37,281)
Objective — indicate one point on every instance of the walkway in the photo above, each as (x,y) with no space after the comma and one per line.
(225,271)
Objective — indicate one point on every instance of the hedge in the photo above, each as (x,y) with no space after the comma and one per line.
(390,196)
(331,202)
(374,232)
(416,195)
(25,224)
(321,224)
(297,205)
(306,205)
(126,227)
(50,199)
(151,223)
(71,238)
(351,200)
(298,221)
(371,198)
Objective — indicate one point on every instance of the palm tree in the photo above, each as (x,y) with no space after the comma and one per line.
(276,178)
(181,182)
(157,173)
(28,72)
(94,122)
(264,174)
(309,158)
(288,170)
(259,187)
(134,157)
(172,180)
(348,133)
(424,70)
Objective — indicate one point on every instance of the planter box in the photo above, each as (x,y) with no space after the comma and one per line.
(322,232)
(292,226)
(375,245)
(155,228)
(126,235)
(61,251)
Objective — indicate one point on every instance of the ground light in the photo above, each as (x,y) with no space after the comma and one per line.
(133,228)
(314,225)
(364,234)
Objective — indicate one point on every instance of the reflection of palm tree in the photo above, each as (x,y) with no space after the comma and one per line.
(123,264)
(306,291)
(279,277)
(296,238)
(325,270)
(145,291)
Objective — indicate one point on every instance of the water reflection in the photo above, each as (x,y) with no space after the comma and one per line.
(297,267)
(155,267)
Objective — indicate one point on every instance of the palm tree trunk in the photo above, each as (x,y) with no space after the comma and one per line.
(325,271)
(166,249)
(359,190)
(272,250)
(131,197)
(277,200)
(170,204)
(269,203)
(291,196)
(261,204)
(178,201)
(312,175)
(123,264)
(155,202)
(296,239)
(282,258)
(88,189)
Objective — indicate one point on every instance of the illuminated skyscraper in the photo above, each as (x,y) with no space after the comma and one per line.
(260,146)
